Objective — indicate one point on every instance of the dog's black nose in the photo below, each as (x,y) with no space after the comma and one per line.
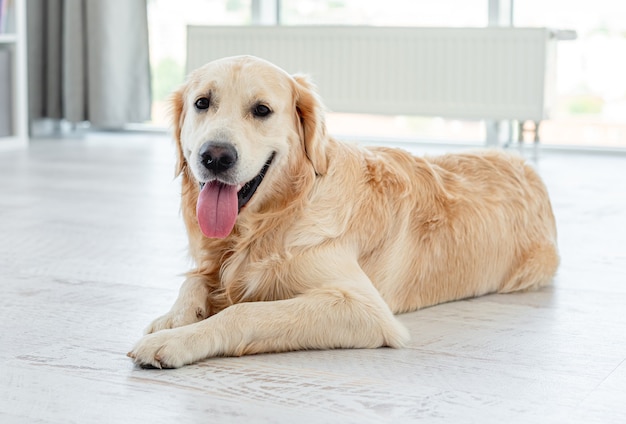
(218,157)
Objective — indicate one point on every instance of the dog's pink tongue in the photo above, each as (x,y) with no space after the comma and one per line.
(217,209)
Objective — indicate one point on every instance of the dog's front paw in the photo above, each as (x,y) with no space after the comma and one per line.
(177,318)
(165,349)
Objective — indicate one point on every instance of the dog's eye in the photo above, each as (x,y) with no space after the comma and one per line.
(202,103)
(261,111)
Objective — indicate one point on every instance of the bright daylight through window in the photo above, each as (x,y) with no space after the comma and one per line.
(591,88)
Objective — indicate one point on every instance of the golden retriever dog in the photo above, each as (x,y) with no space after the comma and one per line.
(303,242)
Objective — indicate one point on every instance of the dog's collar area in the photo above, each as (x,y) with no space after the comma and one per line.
(248,189)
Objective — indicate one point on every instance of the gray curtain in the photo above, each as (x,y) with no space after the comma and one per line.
(88,61)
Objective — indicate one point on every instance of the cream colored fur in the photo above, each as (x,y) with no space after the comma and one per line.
(337,237)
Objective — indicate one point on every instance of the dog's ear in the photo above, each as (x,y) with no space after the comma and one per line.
(177,115)
(311,124)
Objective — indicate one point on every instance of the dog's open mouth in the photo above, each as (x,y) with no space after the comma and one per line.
(247,191)
(220,203)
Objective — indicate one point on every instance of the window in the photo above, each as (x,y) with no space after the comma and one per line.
(591,102)
(467,13)
(591,82)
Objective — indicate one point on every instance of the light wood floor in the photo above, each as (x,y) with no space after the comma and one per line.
(92,247)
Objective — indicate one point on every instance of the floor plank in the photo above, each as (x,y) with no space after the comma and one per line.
(92,248)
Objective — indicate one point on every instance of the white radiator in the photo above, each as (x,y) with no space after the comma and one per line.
(478,73)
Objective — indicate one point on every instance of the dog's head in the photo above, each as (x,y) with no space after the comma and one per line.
(239,125)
